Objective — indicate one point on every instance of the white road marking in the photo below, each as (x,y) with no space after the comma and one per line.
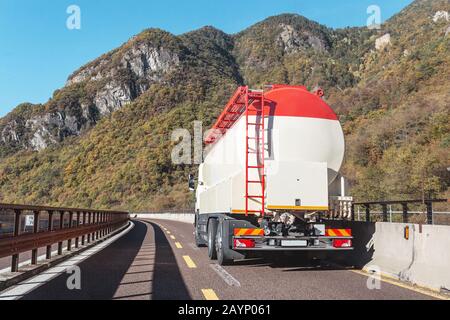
(31,284)
(193,246)
(228,278)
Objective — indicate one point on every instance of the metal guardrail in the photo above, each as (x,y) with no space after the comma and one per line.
(85,224)
(405,208)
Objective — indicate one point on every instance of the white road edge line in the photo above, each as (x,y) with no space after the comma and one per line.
(193,246)
(228,278)
(33,283)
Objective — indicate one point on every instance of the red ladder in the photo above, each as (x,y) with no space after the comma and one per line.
(251,99)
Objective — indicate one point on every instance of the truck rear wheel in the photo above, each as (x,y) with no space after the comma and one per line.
(222,258)
(212,232)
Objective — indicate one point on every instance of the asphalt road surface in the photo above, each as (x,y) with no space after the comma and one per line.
(158,260)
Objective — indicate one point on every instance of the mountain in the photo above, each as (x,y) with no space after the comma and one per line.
(104,139)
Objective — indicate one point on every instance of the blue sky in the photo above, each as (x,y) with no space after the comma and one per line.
(38,51)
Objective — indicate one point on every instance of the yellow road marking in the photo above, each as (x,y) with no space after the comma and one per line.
(189,262)
(397,283)
(209,294)
(172,237)
(178,245)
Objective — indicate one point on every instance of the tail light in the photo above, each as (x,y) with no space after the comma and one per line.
(244,243)
(340,243)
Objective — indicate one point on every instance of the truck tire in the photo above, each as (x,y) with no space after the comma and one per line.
(212,232)
(222,258)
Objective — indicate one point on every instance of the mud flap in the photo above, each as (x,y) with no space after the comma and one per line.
(228,225)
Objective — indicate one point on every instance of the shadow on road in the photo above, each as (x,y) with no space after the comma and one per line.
(101,274)
(168,284)
(296,261)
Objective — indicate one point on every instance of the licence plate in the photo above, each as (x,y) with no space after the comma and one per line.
(294,243)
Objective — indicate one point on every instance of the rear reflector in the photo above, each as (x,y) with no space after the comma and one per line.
(244,243)
(338,232)
(248,232)
(339,243)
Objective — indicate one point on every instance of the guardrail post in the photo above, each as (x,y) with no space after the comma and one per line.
(34,252)
(385,212)
(69,242)
(48,254)
(367,212)
(105,221)
(94,221)
(405,212)
(83,237)
(61,226)
(89,223)
(106,224)
(97,233)
(429,212)
(101,223)
(15,257)
(77,239)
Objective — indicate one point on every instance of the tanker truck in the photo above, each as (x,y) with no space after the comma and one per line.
(271,161)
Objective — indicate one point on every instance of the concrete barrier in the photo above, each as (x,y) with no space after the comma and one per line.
(392,252)
(181,217)
(423,259)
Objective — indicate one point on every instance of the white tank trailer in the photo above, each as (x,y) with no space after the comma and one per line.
(271,166)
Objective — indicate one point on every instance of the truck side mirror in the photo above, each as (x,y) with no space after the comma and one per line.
(191,183)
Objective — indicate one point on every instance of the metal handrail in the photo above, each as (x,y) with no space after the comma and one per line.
(46,208)
(89,225)
(404,203)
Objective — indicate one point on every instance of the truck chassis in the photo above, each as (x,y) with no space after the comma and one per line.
(220,232)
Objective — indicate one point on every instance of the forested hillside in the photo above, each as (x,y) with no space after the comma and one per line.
(104,139)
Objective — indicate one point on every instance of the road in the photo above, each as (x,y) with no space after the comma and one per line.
(158,260)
